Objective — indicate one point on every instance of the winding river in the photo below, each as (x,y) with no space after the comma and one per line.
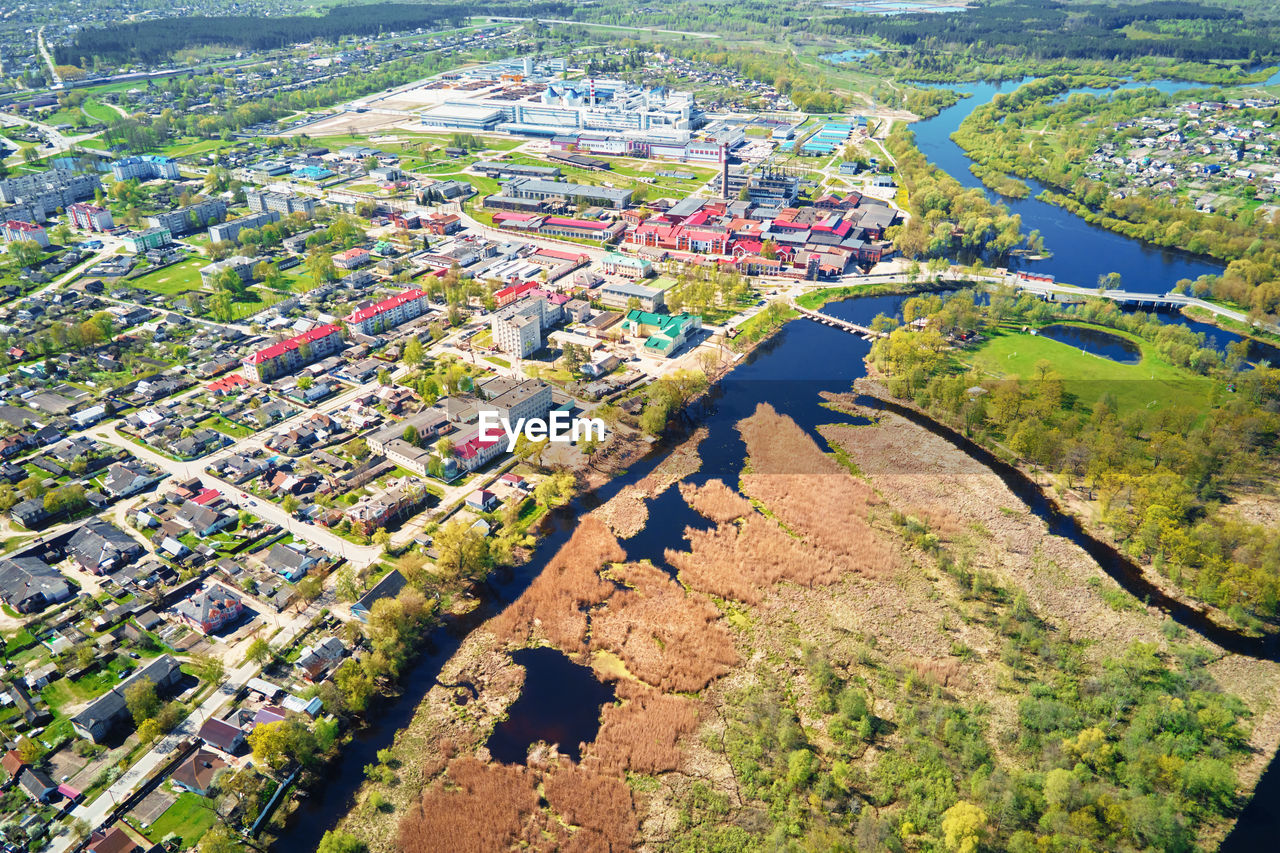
(790,371)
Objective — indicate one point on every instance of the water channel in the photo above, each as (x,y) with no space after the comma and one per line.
(789,372)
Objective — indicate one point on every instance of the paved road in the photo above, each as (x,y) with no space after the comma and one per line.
(94,812)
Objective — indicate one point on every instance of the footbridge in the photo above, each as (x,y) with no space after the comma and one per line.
(836,322)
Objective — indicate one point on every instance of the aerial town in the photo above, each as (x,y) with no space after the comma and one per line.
(671,427)
(235,380)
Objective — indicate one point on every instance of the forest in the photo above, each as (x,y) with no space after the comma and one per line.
(946,218)
(1187,31)
(153,40)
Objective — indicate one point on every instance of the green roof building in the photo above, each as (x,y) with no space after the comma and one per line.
(664,333)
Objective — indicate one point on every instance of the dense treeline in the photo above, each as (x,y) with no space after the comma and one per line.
(809,91)
(1159,476)
(142,132)
(1180,30)
(947,218)
(154,40)
(998,138)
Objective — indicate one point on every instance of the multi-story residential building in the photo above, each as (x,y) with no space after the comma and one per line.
(14,231)
(626,266)
(37,195)
(230,230)
(151,238)
(283,358)
(351,258)
(90,217)
(620,294)
(516,400)
(388,313)
(281,203)
(517,329)
(242,266)
(145,168)
(184,220)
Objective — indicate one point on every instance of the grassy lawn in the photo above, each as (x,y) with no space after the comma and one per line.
(191,145)
(190,816)
(501,362)
(226,427)
(1151,383)
(99,111)
(178,278)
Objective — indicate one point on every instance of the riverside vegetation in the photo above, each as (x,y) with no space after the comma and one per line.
(1025,133)
(887,678)
(1163,463)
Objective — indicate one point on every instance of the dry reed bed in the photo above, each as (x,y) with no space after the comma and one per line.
(556,604)
(485,807)
(811,493)
(680,463)
(642,733)
(716,501)
(626,513)
(667,636)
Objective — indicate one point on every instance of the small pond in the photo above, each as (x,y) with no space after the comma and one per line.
(560,703)
(1095,342)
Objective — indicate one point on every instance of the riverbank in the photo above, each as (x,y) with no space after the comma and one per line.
(1076,505)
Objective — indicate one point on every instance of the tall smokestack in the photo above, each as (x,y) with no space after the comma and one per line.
(593,92)
(724,174)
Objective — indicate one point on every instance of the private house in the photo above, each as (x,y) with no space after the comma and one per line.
(211,610)
(127,478)
(110,709)
(196,773)
(201,520)
(28,584)
(482,500)
(289,562)
(113,840)
(36,784)
(30,513)
(222,735)
(101,547)
(315,660)
(388,587)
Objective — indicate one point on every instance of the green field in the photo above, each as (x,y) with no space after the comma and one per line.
(1151,383)
(190,816)
(179,278)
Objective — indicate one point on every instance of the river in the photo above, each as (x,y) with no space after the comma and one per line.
(789,371)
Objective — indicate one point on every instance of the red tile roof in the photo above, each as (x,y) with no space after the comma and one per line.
(277,350)
(385,305)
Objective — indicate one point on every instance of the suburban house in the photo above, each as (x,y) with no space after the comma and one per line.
(197,772)
(110,709)
(36,784)
(315,660)
(101,547)
(222,735)
(127,478)
(113,840)
(202,520)
(29,584)
(482,500)
(289,562)
(210,610)
(388,587)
